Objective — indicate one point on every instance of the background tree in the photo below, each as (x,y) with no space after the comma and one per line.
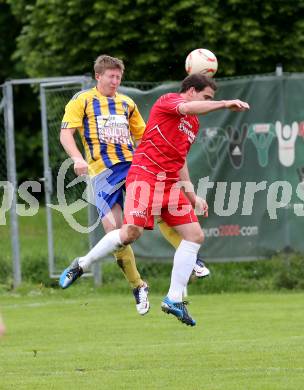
(154,37)
(41,38)
(27,118)
(9,30)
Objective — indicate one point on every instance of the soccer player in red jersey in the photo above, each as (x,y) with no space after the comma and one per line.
(157,174)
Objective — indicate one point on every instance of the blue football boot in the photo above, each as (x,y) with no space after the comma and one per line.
(179,310)
(70,274)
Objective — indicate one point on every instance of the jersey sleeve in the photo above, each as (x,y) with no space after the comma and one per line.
(73,115)
(137,124)
(169,103)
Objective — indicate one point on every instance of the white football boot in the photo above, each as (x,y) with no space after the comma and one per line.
(141,298)
(200,270)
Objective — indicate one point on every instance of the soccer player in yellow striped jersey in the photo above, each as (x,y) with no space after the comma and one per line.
(109,124)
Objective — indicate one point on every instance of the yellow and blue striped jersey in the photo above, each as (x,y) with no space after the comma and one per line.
(107,127)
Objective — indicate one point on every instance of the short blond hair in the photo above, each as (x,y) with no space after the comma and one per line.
(104,62)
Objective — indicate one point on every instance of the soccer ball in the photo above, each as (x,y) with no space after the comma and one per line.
(201,61)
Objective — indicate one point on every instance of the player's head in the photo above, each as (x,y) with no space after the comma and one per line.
(108,73)
(198,87)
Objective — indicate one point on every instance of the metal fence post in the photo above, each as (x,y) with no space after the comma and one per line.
(12,178)
(47,179)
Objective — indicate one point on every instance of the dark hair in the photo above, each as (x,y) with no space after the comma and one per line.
(198,82)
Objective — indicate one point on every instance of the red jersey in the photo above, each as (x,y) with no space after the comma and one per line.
(166,140)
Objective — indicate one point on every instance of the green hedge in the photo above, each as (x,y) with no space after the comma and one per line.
(277,273)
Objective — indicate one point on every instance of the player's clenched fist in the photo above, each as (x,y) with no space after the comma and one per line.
(201,206)
(80,167)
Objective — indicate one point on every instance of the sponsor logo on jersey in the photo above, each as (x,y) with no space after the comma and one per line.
(113,129)
(186,127)
(138,213)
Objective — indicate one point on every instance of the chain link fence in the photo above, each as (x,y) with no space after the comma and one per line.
(56,100)
(61,184)
(23,227)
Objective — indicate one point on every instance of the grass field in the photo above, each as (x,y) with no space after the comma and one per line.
(60,340)
(89,338)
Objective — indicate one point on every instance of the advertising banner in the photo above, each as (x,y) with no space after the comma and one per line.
(250,168)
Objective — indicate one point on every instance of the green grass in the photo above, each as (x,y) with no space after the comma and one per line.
(67,339)
(33,236)
(89,338)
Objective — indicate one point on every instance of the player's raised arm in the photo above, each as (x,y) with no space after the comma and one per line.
(205,106)
(198,94)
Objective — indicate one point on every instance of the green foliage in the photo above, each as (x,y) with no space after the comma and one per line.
(290,273)
(278,273)
(9,30)
(153,37)
(53,38)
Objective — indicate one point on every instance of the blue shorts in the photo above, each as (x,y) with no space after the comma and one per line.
(109,186)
